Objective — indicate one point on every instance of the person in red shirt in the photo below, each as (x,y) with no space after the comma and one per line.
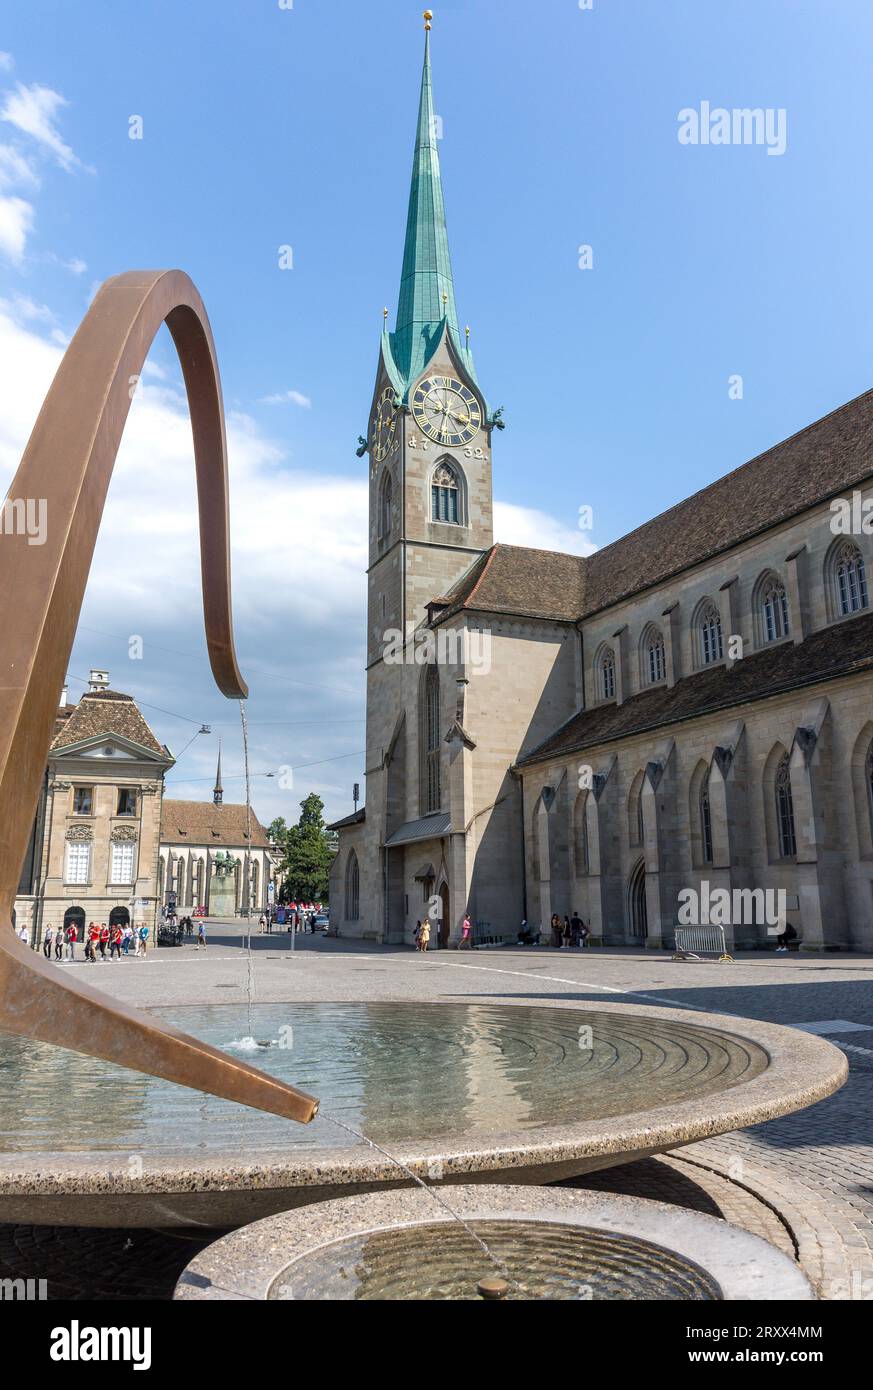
(115,942)
(91,946)
(104,940)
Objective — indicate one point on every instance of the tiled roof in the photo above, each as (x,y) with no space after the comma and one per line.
(826,458)
(841,649)
(203,823)
(516,579)
(104,712)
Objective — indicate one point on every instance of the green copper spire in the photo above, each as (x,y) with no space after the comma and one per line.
(427,291)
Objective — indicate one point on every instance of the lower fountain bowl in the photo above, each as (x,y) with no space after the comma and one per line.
(522,1243)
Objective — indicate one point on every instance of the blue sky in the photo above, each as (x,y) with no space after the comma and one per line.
(264,127)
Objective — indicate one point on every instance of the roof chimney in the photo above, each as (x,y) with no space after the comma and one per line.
(98,680)
(63,704)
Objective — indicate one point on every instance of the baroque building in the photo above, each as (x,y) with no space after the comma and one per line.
(93,854)
(687,710)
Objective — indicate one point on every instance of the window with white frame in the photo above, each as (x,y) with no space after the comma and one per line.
(850,578)
(773,602)
(121,869)
(78,867)
(606,674)
(709,632)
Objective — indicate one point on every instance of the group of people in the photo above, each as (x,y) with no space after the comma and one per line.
(99,937)
(571,932)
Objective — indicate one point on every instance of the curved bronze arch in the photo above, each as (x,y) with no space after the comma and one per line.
(67,465)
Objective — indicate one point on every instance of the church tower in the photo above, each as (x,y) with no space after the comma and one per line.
(429,436)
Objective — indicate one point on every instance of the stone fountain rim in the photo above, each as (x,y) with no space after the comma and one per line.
(247,1263)
(803,1068)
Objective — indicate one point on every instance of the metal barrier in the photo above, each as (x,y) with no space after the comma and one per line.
(694,942)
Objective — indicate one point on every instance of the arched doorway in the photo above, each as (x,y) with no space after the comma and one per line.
(119,917)
(445,920)
(639,923)
(75,917)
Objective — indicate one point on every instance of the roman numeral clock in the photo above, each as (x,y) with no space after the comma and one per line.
(446,411)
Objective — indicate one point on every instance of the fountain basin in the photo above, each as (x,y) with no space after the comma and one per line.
(459,1093)
(555,1244)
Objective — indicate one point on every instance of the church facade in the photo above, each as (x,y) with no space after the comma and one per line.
(682,719)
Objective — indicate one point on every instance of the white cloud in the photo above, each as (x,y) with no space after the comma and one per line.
(284,397)
(516,525)
(32,110)
(15,169)
(16,220)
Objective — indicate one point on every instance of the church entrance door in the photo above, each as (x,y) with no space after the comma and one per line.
(639,925)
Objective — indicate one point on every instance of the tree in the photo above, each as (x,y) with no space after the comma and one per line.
(309,851)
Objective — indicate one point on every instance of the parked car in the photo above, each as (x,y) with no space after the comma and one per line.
(322,922)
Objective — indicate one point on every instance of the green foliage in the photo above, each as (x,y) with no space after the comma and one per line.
(309,850)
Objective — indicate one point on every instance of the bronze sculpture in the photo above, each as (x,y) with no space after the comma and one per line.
(67,465)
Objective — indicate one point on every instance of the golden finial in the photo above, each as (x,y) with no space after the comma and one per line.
(445,299)
(428,16)
(467,331)
(385,312)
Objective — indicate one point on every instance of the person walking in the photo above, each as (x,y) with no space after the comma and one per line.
(59,943)
(466,941)
(424,935)
(47,942)
(115,942)
(126,938)
(575,929)
(201,935)
(143,938)
(93,940)
(72,938)
(567,932)
(103,941)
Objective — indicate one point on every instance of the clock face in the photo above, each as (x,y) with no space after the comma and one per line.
(384,426)
(446,410)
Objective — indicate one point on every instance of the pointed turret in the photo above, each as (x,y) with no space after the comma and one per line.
(426,306)
(218,793)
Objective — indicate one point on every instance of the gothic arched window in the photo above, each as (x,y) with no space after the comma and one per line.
(785,811)
(386,507)
(709,634)
(353,887)
(430,742)
(654,657)
(605,674)
(705,822)
(445,493)
(850,579)
(772,608)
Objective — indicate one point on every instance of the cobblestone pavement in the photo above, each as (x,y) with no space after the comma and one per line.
(804,1182)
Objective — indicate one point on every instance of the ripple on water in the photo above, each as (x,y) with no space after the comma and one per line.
(397,1071)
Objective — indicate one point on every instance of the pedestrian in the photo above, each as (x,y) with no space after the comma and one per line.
(126,938)
(72,938)
(201,935)
(59,943)
(262,922)
(93,941)
(103,940)
(575,929)
(424,935)
(466,941)
(567,932)
(47,942)
(115,942)
(143,938)
(556,931)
